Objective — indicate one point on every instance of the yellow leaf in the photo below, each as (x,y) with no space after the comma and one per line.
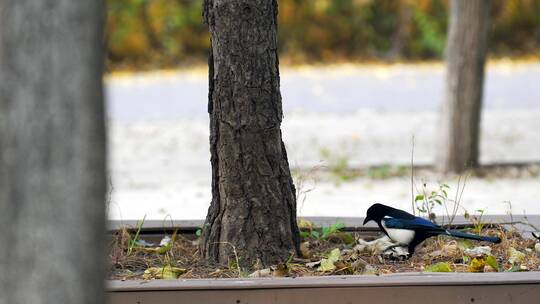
(305,224)
(439,267)
(477,265)
(328,264)
(492,262)
(166,272)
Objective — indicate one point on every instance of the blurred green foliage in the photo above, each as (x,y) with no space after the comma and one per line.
(165,33)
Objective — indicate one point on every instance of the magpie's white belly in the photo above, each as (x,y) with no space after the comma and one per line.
(402,236)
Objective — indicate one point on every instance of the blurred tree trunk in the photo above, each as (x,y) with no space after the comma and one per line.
(465,60)
(253,204)
(52,152)
(403,29)
(150,33)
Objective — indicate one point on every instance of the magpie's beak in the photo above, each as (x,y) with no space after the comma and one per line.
(366,220)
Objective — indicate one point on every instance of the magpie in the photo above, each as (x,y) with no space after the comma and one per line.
(409,230)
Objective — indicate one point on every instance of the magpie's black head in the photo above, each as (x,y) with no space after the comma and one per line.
(376,213)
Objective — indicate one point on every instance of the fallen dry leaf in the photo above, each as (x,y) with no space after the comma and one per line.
(480,251)
(328,263)
(448,250)
(166,272)
(477,265)
(439,267)
(515,256)
(263,273)
(305,250)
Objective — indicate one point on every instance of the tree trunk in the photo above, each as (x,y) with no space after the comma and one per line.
(402,31)
(150,33)
(52,152)
(253,208)
(465,60)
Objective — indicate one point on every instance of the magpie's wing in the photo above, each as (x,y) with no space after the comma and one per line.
(399,214)
(417,223)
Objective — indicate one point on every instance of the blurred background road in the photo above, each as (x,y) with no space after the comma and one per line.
(339,89)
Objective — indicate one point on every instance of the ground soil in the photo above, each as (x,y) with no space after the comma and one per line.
(184,255)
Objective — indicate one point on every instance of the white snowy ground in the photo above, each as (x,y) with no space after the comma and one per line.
(161,167)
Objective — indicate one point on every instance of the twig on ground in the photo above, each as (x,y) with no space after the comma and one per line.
(134,241)
(412,177)
(235,256)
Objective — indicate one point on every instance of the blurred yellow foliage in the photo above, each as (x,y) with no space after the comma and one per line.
(162,33)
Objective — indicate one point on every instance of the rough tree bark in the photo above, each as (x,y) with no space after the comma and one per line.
(52,152)
(465,61)
(253,204)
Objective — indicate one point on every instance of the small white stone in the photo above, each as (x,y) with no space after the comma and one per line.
(165,241)
(263,273)
(478,251)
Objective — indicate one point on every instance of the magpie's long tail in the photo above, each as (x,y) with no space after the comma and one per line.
(470,236)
